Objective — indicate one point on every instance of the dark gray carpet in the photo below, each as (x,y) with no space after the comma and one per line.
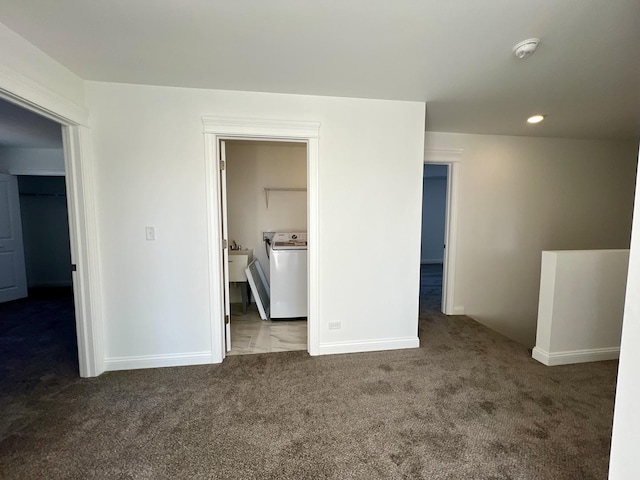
(431,286)
(38,353)
(467,404)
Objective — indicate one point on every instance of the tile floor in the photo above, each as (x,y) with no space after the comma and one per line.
(250,334)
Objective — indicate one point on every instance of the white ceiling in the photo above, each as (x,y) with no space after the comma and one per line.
(453,54)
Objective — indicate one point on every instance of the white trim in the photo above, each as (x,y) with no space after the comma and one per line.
(35,171)
(261,127)
(156,361)
(28,94)
(452,158)
(442,155)
(369,345)
(84,249)
(31,95)
(457,311)
(575,356)
(214,227)
(217,128)
(313,215)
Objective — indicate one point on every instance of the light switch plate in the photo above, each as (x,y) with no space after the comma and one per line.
(150,233)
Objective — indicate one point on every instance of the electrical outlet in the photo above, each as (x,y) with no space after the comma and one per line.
(335,325)
(267,236)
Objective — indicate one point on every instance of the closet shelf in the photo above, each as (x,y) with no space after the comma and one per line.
(268,190)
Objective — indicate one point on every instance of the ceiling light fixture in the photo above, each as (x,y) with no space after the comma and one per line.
(526,47)
(535,118)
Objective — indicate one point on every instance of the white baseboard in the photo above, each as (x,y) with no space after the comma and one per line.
(575,356)
(155,361)
(458,310)
(368,346)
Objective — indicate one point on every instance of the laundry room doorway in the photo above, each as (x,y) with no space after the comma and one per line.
(266,197)
(218,130)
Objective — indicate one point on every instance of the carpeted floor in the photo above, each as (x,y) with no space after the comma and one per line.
(468,404)
(38,353)
(431,286)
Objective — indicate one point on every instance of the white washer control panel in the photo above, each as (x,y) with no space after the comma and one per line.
(289,240)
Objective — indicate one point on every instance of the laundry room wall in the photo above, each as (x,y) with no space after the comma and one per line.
(252,166)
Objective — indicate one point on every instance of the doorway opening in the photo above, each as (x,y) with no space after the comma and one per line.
(266,195)
(70,162)
(38,331)
(37,312)
(218,131)
(432,250)
(448,159)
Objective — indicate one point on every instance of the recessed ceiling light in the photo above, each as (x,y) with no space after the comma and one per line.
(535,118)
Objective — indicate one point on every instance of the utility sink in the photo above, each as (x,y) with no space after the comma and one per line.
(238,261)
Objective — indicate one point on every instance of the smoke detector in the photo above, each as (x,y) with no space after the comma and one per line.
(526,47)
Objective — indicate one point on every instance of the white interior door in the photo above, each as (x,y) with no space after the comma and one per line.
(225,243)
(13,276)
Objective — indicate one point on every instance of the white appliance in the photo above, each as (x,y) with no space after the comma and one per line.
(288,274)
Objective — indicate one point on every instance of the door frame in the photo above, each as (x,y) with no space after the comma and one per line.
(451,158)
(76,140)
(216,128)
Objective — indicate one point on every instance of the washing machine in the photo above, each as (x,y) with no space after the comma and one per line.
(288,274)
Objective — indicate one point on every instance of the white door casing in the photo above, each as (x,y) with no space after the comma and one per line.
(13,275)
(222,167)
(83,237)
(216,128)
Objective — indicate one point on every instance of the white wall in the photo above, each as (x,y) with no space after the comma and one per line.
(626,419)
(252,166)
(31,161)
(520,196)
(149,168)
(581,305)
(434,204)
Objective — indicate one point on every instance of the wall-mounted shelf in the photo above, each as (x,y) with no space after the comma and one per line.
(268,190)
